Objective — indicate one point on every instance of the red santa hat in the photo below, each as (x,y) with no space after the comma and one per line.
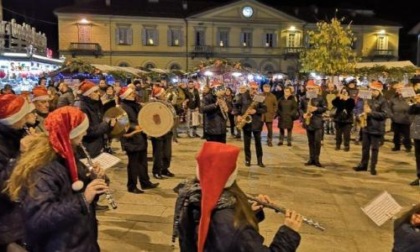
(64,124)
(216,170)
(87,87)
(376,85)
(157,91)
(40,93)
(311,83)
(125,92)
(13,108)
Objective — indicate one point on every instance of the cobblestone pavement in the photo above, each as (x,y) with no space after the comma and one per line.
(332,196)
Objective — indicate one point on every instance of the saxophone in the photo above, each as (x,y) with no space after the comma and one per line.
(308,114)
(221,102)
(363,117)
(246,117)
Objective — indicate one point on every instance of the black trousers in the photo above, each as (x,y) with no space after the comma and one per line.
(370,147)
(247,144)
(216,138)
(137,169)
(343,132)
(231,123)
(417,153)
(162,153)
(314,143)
(401,130)
(269,131)
(289,135)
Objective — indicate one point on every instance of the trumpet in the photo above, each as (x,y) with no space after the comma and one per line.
(108,195)
(282,210)
(221,102)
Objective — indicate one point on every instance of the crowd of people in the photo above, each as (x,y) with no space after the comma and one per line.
(49,197)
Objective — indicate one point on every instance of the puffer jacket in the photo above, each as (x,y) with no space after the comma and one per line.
(316,121)
(11,221)
(56,217)
(241,106)
(399,109)
(215,123)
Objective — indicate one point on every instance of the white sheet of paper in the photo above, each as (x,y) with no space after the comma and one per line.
(365,94)
(408,92)
(105,160)
(382,208)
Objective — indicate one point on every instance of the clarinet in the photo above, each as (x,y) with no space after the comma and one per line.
(282,210)
(108,195)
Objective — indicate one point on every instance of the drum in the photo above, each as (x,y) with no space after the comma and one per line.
(157,118)
(122,121)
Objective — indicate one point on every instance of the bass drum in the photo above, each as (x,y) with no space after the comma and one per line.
(157,118)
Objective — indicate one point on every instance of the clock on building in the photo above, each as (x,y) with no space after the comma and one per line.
(247,11)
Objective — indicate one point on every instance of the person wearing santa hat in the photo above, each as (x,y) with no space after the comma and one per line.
(376,111)
(162,146)
(52,185)
(313,122)
(241,107)
(218,216)
(134,142)
(14,111)
(212,107)
(41,100)
(90,103)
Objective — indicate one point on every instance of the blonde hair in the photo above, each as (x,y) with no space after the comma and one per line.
(39,153)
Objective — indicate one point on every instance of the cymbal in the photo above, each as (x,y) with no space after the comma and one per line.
(122,120)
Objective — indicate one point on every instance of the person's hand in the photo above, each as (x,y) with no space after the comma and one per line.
(252,111)
(312,109)
(368,110)
(256,206)
(112,122)
(97,186)
(97,169)
(293,220)
(239,118)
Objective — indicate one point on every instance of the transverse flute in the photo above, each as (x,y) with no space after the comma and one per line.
(108,195)
(282,210)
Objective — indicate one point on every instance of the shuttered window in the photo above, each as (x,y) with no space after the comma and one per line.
(124,35)
(175,37)
(150,37)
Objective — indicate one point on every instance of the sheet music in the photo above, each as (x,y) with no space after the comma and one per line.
(105,160)
(407,92)
(259,98)
(382,208)
(365,94)
(311,94)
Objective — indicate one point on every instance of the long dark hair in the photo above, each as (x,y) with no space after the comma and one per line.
(406,217)
(243,212)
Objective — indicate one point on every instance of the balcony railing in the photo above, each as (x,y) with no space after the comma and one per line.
(383,54)
(85,49)
(292,52)
(202,51)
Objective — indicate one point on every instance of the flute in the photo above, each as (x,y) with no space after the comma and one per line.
(108,195)
(282,210)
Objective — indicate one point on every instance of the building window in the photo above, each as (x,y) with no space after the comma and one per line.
(382,44)
(150,36)
(123,64)
(84,31)
(246,39)
(175,66)
(124,35)
(268,69)
(175,37)
(223,38)
(269,39)
(149,66)
(200,38)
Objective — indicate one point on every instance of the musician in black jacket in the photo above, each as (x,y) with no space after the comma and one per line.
(90,103)
(243,107)
(135,145)
(215,127)
(376,111)
(313,123)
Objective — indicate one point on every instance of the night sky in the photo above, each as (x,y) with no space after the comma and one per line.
(39,13)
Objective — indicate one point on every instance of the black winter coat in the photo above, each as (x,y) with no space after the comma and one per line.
(406,238)
(94,140)
(193,99)
(11,222)
(215,123)
(399,109)
(223,236)
(316,121)
(56,217)
(376,119)
(138,142)
(287,112)
(242,104)
(344,113)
